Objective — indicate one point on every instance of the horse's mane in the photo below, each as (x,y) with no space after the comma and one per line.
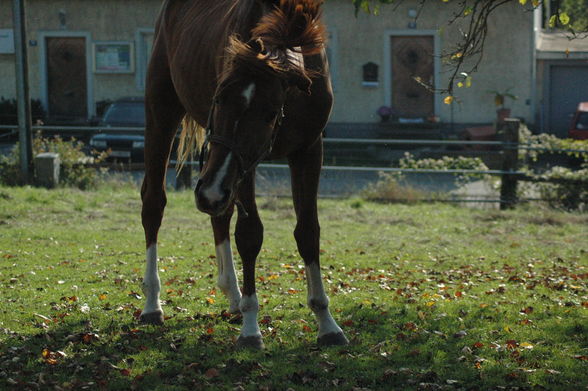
(292,28)
(294,23)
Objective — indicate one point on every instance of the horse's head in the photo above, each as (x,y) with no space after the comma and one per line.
(248,106)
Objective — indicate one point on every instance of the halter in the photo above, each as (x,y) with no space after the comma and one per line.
(230,145)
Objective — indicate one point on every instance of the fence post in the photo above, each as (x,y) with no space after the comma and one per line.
(22,90)
(47,169)
(510,163)
(184,177)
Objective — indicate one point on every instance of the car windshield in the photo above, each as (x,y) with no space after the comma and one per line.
(126,113)
(582,121)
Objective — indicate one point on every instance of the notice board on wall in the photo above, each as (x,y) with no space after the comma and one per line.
(113,57)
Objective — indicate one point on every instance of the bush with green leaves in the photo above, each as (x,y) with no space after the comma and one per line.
(392,187)
(561,187)
(75,171)
(447,163)
(565,188)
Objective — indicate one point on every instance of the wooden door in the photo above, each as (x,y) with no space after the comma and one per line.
(412,56)
(67,79)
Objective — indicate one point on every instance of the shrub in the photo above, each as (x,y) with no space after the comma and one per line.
(389,188)
(447,163)
(561,187)
(565,188)
(74,169)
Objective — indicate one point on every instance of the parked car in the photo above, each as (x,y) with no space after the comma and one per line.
(123,145)
(579,126)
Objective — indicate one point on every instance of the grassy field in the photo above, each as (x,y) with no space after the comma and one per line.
(432,297)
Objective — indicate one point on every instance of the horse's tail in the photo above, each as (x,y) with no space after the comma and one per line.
(190,142)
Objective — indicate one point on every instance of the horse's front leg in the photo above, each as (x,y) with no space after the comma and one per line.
(305,170)
(227,279)
(163,114)
(249,237)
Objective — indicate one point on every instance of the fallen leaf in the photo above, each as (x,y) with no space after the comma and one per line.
(460,334)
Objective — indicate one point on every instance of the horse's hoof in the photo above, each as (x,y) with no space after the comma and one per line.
(254,342)
(155,318)
(333,339)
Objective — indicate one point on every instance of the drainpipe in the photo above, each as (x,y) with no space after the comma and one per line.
(22,91)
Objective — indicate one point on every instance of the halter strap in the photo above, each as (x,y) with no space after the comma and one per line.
(230,145)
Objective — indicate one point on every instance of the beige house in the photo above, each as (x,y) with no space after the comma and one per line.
(562,80)
(82,52)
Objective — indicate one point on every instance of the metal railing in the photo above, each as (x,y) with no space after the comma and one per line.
(508,147)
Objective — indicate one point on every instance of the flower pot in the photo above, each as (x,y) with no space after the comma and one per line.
(502,114)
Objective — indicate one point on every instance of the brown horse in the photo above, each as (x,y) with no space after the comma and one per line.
(254,74)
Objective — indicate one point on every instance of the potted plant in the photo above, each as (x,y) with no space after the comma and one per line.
(499,99)
(385,112)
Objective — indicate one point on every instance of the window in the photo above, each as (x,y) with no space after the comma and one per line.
(144,44)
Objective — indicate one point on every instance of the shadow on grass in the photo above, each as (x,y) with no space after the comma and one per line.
(388,350)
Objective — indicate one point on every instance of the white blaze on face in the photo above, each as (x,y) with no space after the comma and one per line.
(248,93)
(214,193)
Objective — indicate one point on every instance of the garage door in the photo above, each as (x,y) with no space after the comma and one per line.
(568,86)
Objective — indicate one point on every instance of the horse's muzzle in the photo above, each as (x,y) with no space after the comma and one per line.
(212,200)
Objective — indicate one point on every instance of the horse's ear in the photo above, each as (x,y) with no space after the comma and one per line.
(300,81)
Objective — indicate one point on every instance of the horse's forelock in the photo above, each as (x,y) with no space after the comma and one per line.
(281,35)
(294,23)
(253,59)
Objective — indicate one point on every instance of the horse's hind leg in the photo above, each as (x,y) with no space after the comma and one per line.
(163,112)
(227,279)
(305,170)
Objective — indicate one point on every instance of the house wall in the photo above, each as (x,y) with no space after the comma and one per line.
(557,86)
(104,20)
(507,62)
(7,68)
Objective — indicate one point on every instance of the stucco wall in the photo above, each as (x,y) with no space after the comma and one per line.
(507,61)
(7,70)
(105,20)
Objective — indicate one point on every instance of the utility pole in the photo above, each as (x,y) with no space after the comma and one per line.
(22,90)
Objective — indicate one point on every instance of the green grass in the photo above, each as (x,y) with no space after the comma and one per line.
(432,297)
